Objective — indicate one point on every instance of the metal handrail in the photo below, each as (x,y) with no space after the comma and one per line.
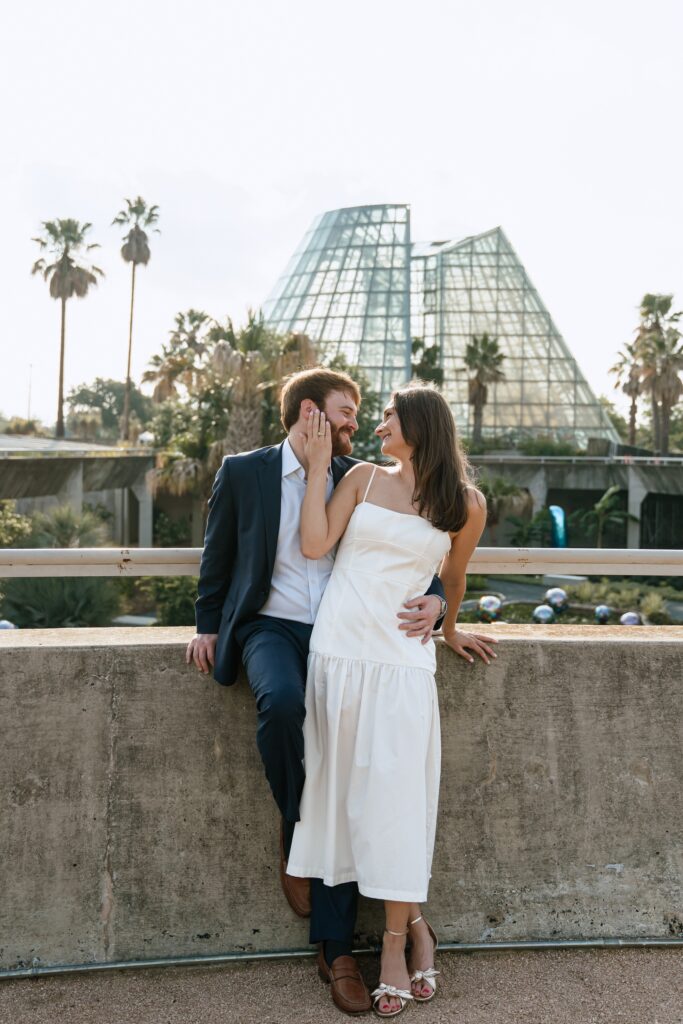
(30,562)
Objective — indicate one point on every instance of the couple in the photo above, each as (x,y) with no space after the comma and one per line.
(311,575)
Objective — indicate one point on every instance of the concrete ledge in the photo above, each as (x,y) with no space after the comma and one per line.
(137,822)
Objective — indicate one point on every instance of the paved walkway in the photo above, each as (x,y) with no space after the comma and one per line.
(601,986)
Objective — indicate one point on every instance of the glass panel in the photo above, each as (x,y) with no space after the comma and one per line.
(353,328)
(377,303)
(339,304)
(334,328)
(396,303)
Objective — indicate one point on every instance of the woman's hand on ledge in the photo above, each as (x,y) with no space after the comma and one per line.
(462,643)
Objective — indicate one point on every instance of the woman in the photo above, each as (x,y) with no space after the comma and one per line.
(372,743)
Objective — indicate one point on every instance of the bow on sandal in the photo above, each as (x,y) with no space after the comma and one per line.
(427,976)
(402,994)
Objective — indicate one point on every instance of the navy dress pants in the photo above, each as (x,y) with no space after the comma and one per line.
(275,654)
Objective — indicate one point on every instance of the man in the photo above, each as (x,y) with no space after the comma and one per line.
(258,598)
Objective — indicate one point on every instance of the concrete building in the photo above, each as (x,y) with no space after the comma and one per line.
(39,473)
(652,490)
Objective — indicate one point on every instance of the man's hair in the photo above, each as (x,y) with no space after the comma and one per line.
(315,384)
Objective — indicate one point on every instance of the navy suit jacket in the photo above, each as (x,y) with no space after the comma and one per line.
(239,548)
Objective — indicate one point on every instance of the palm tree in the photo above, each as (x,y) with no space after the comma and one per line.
(135,250)
(482,357)
(218,393)
(424,361)
(68,275)
(605,512)
(628,370)
(179,362)
(670,387)
(658,346)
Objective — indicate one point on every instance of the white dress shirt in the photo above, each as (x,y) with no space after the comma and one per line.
(298,583)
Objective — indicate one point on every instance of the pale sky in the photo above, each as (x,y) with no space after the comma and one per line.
(561,122)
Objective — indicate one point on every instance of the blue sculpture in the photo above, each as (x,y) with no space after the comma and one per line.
(6,624)
(631,619)
(489,608)
(557,598)
(558,526)
(602,614)
(543,613)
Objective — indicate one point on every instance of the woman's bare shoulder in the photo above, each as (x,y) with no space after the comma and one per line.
(357,476)
(475,498)
(360,471)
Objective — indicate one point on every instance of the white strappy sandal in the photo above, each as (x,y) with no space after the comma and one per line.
(402,994)
(428,976)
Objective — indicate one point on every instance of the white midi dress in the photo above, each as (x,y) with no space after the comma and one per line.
(371,735)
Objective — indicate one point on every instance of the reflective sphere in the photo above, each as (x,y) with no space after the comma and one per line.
(557,598)
(631,619)
(602,614)
(6,624)
(489,608)
(543,613)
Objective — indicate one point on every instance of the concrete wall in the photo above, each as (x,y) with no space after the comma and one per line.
(136,821)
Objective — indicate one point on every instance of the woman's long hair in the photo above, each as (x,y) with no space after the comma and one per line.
(442,471)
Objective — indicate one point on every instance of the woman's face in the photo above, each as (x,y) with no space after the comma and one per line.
(390,434)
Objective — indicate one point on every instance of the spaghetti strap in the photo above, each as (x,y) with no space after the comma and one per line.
(372,477)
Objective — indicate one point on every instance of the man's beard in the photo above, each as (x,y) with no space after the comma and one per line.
(341,441)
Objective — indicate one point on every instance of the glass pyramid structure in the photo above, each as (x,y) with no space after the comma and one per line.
(359,288)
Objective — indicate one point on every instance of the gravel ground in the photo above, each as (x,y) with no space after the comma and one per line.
(613,986)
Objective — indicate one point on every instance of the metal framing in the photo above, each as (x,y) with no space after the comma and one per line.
(359,288)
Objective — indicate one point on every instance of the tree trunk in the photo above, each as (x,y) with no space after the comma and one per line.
(126,396)
(478,417)
(632,422)
(664,426)
(656,427)
(60,394)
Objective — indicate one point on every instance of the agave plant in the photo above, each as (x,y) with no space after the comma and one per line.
(63,527)
(52,602)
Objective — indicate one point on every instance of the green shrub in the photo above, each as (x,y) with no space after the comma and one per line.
(62,527)
(53,602)
(536,532)
(174,598)
(171,533)
(543,445)
(624,595)
(14,528)
(476,582)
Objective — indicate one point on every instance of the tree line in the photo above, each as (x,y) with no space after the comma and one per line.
(204,357)
(649,367)
(68,271)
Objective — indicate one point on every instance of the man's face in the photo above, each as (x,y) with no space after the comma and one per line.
(341,412)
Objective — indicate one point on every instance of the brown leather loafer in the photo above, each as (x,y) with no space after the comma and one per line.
(297,890)
(349,991)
